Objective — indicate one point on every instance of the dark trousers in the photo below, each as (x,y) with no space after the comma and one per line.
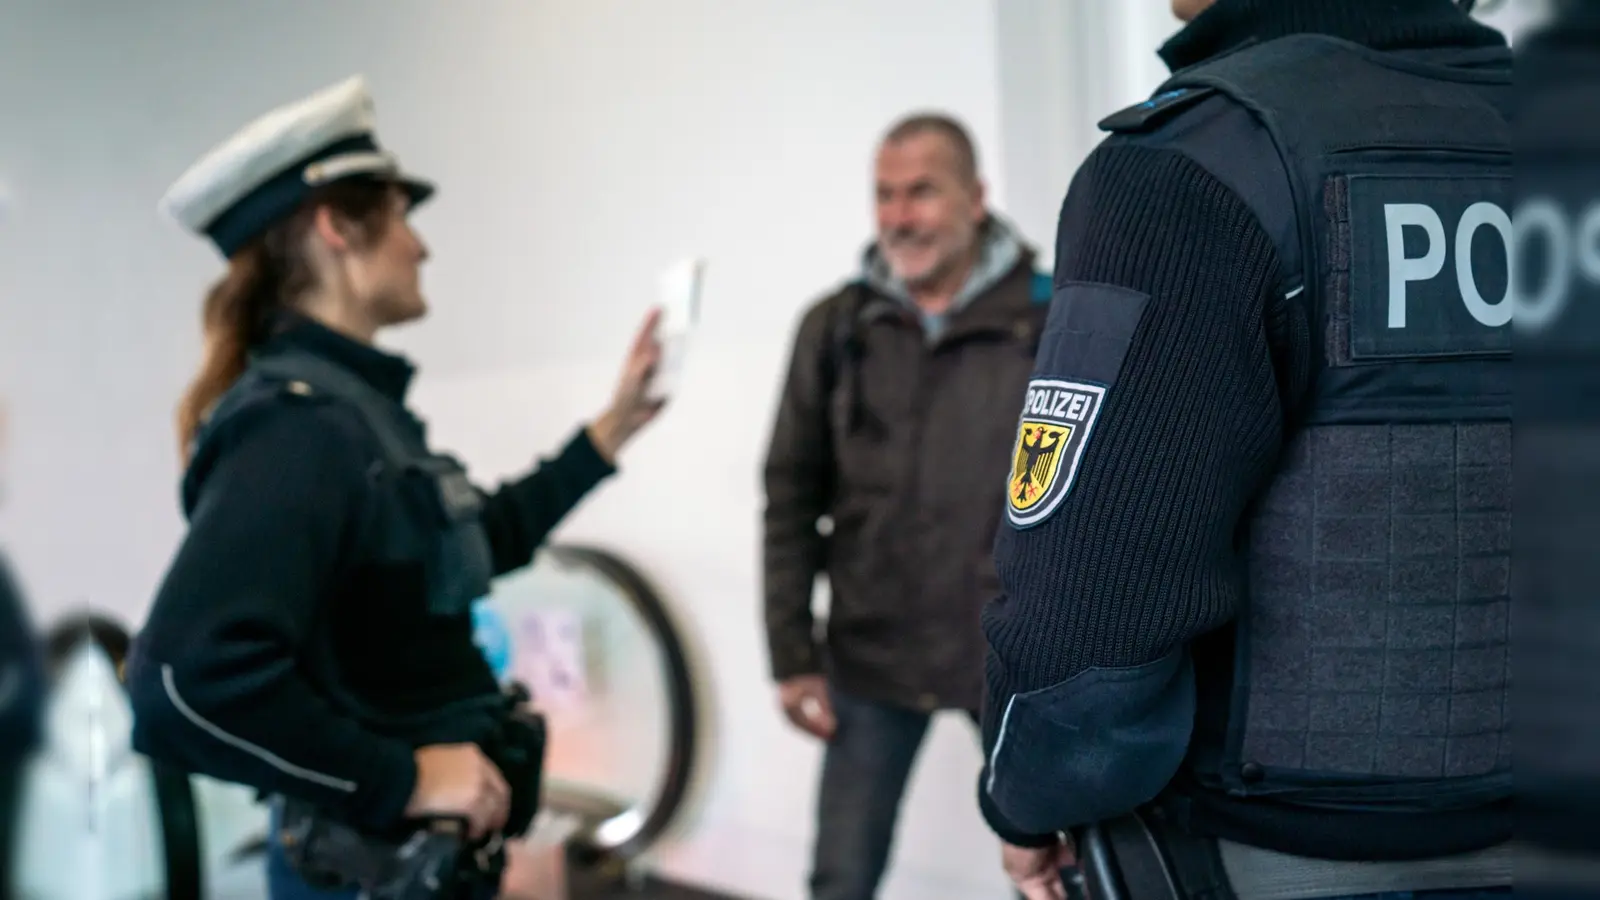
(864,774)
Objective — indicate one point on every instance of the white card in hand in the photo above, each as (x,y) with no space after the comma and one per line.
(680,313)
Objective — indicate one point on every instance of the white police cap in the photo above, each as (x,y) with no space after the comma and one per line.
(262,174)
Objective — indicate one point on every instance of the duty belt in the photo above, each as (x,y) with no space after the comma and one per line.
(1145,856)
(425,859)
(436,862)
(1140,857)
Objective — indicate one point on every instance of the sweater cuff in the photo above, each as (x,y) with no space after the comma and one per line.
(1002,828)
(383,804)
(581,454)
(791,660)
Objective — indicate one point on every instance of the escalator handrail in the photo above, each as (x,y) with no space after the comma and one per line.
(682,702)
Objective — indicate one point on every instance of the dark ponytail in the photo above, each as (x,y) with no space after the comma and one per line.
(236,311)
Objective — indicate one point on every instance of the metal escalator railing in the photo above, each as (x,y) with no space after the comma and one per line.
(614,829)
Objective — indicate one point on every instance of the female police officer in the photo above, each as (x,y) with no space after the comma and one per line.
(313,637)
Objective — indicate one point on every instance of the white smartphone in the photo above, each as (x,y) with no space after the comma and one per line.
(680,313)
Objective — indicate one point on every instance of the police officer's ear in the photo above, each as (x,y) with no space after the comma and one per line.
(336,231)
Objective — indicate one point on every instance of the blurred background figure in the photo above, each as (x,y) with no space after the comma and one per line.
(21,660)
(892,433)
(21,688)
(1557,447)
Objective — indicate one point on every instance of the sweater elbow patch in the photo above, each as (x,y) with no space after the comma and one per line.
(1093,747)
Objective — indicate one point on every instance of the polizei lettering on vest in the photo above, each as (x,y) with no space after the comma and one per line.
(1057,403)
(1429,267)
(1404,269)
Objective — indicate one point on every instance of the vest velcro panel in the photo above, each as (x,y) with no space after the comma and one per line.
(1380,567)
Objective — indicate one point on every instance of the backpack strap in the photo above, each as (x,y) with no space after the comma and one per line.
(842,344)
(841,339)
(1041,288)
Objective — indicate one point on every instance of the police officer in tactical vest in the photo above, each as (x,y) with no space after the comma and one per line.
(313,637)
(1253,637)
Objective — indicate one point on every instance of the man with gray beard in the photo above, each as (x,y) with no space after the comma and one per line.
(893,438)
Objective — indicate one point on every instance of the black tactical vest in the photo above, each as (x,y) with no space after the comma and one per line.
(1369,670)
(428,509)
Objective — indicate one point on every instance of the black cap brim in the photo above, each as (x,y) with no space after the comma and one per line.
(418,191)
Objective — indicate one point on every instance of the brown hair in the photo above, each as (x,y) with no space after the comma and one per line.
(267,275)
(946,127)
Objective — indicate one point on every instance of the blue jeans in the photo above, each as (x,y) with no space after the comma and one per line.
(864,774)
(283,883)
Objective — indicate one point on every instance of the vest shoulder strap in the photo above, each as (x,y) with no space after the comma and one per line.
(1231,142)
(1396,100)
(1152,113)
(308,375)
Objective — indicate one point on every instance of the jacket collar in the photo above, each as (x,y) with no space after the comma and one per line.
(1379,24)
(388,373)
(1002,251)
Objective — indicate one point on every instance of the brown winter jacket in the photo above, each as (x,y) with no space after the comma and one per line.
(906,463)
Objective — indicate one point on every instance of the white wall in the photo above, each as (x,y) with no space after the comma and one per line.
(1063,67)
(580,147)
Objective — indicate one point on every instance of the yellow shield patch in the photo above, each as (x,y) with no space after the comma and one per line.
(1037,462)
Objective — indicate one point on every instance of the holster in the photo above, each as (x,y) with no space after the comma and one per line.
(425,859)
(1144,856)
(518,750)
(434,862)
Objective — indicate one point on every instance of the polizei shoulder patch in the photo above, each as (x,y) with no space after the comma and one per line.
(1057,419)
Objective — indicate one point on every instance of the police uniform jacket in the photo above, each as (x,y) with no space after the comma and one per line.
(284,582)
